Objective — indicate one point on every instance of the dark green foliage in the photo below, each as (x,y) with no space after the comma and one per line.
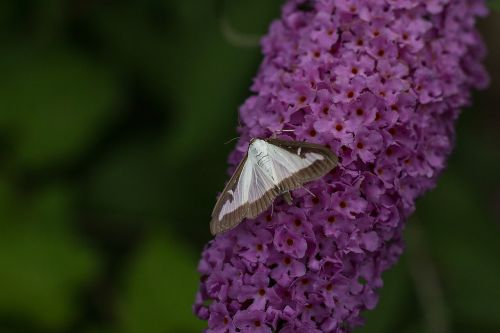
(495,4)
(113,118)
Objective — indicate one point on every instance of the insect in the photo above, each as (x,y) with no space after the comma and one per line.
(271,167)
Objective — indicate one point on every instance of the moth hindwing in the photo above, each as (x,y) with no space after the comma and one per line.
(269,168)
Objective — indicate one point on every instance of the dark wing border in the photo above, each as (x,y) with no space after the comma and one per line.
(247,210)
(224,196)
(293,146)
(315,171)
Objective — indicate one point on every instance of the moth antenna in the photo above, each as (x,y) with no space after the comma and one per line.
(229,141)
(282,131)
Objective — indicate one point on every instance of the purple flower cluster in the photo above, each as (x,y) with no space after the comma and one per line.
(381,82)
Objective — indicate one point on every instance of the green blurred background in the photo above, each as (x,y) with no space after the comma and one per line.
(113,118)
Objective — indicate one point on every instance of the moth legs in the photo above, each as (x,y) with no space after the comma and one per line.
(288,197)
(305,189)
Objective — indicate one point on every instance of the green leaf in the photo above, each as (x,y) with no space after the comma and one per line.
(54,104)
(212,82)
(199,75)
(5,12)
(495,4)
(464,242)
(43,263)
(159,289)
(415,328)
(129,183)
(98,329)
(393,302)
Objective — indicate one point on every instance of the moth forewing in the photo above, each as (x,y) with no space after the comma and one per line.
(315,161)
(216,224)
(301,148)
(271,167)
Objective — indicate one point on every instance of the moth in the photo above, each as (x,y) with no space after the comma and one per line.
(270,168)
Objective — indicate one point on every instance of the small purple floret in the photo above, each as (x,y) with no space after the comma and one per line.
(381,82)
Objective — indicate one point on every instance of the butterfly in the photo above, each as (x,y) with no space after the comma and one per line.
(271,167)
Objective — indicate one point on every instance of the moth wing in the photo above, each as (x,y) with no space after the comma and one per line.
(296,163)
(232,195)
(262,192)
(248,193)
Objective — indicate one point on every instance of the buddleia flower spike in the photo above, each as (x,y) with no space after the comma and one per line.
(380,83)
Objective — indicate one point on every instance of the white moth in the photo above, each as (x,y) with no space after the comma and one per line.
(271,167)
